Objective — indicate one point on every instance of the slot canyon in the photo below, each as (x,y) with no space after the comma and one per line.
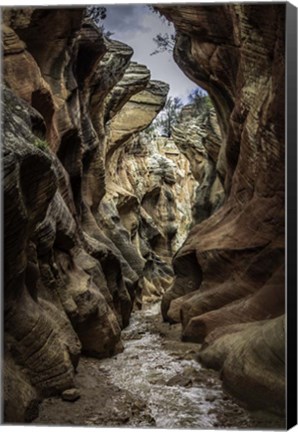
(144,274)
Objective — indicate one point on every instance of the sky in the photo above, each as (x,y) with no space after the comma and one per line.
(136,25)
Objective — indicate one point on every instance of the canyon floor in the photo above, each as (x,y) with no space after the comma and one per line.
(155,382)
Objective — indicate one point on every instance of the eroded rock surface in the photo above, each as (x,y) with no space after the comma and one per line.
(198,138)
(151,208)
(93,209)
(71,273)
(234,259)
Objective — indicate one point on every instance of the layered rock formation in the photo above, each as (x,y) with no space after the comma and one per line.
(229,284)
(152,207)
(79,240)
(68,288)
(197,136)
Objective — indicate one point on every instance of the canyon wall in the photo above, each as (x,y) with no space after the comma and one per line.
(94,208)
(229,284)
(198,138)
(90,209)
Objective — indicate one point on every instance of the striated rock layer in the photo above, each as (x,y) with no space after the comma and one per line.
(82,243)
(197,136)
(152,206)
(94,207)
(229,288)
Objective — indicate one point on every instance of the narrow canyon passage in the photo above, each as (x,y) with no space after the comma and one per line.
(144,234)
(155,382)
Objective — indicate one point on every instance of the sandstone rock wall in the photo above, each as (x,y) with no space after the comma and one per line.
(198,137)
(232,296)
(72,266)
(94,208)
(152,207)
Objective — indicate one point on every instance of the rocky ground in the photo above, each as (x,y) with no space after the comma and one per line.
(103,403)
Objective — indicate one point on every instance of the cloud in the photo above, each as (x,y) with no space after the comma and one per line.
(125,18)
(136,25)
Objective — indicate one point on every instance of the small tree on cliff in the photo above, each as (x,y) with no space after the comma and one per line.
(164,42)
(168,116)
(97,14)
(200,102)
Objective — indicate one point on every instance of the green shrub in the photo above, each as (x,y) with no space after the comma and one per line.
(41,144)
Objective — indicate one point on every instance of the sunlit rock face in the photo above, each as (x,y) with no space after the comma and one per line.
(149,191)
(198,139)
(229,285)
